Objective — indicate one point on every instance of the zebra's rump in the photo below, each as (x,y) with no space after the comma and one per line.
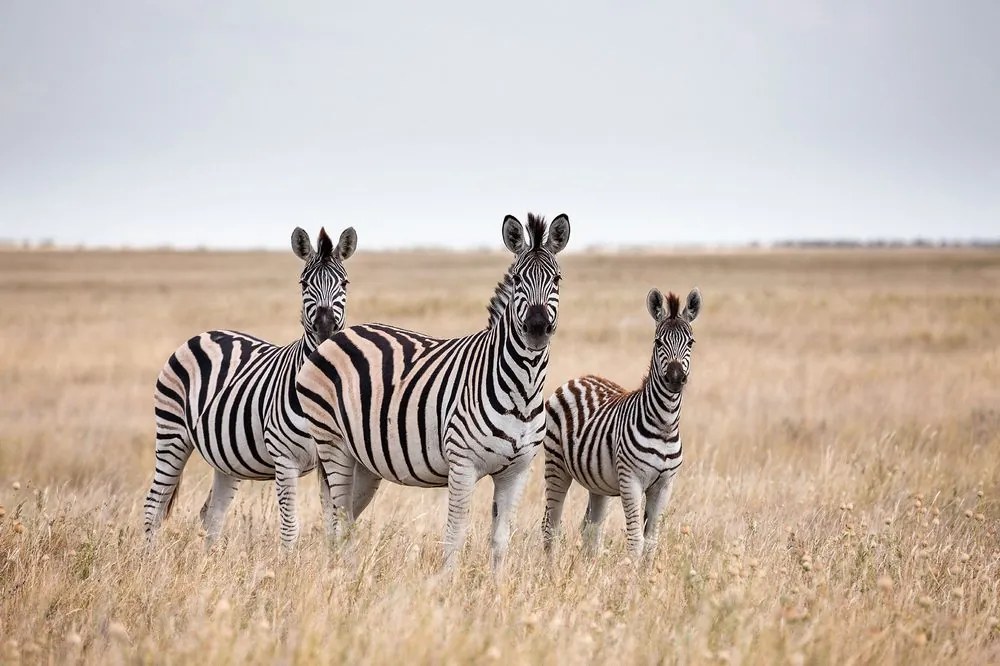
(202,367)
(220,389)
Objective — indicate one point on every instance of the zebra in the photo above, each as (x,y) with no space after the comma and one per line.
(232,397)
(388,403)
(618,442)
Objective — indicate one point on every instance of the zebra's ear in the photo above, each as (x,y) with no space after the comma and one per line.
(348,243)
(654,303)
(558,234)
(693,305)
(513,234)
(301,245)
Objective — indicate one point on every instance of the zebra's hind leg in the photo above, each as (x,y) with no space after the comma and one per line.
(507,489)
(213,513)
(336,469)
(286,481)
(173,449)
(364,488)
(657,498)
(593,522)
(557,483)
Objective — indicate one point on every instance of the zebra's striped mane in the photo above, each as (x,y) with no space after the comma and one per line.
(500,299)
(501,296)
(673,305)
(536,231)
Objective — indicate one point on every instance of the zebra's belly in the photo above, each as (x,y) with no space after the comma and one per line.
(593,464)
(242,456)
(408,463)
(229,434)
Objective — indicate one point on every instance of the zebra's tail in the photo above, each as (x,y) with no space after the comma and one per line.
(173,498)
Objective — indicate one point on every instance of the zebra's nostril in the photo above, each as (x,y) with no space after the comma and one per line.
(549,329)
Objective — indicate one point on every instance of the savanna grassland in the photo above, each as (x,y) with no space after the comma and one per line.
(839,500)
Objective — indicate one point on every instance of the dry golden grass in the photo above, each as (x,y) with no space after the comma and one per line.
(838,503)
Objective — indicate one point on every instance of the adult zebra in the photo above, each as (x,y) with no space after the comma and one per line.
(387,403)
(617,442)
(232,397)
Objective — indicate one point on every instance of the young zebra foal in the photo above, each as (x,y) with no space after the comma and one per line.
(232,397)
(616,442)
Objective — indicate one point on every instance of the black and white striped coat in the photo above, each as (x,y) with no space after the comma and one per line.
(387,403)
(616,442)
(232,397)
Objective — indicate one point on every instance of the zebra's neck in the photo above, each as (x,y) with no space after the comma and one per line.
(659,406)
(520,370)
(306,345)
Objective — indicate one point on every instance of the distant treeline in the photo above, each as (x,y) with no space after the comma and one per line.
(883,243)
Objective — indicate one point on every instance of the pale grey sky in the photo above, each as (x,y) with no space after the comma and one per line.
(228,123)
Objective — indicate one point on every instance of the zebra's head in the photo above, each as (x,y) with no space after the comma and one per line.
(674,337)
(324,281)
(533,279)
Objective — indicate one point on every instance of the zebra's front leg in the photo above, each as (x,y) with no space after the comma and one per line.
(657,498)
(213,513)
(336,466)
(461,482)
(508,487)
(286,480)
(631,493)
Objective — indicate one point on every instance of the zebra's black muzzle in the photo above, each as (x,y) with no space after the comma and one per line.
(325,323)
(675,377)
(537,327)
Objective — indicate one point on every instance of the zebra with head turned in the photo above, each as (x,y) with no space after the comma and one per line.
(387,403)
(617,442)
(232,397)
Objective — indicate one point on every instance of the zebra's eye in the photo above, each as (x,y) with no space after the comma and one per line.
(557,279)
(515,280)
(690,344)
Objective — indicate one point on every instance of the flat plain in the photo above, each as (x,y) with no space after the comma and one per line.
(838,502)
